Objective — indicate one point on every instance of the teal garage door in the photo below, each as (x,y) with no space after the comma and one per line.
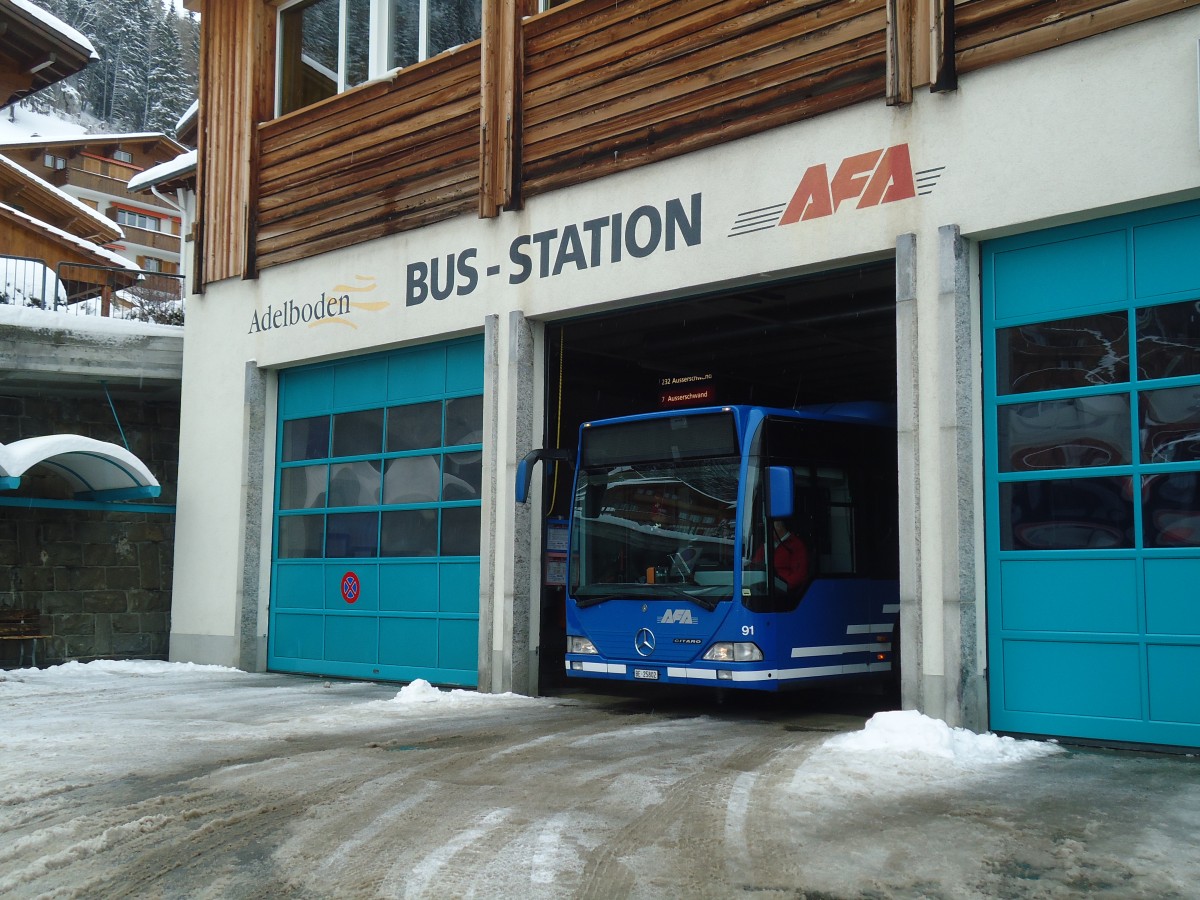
(375,571)
(1092,443)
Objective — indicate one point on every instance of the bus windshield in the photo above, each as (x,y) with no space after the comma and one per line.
(661,530)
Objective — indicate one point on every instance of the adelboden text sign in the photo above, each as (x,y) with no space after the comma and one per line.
(577,246)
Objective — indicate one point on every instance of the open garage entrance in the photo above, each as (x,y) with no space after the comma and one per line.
(816,339)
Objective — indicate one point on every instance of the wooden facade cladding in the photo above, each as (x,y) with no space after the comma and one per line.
(587,89)
(381,158)
(611,87)
(237,59)
(987,32)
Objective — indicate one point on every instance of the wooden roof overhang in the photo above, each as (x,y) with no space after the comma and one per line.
(34,54)
(85,269)
(21,189)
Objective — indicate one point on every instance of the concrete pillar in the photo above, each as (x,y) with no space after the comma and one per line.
(961,488)
(909,473)
(257,488)
(507,626)
(941,601)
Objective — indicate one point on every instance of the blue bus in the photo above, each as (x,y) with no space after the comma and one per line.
(733,547)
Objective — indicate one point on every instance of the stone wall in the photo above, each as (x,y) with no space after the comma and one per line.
(102,580)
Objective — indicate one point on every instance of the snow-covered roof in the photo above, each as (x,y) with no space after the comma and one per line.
(131,137)
(95,470)
(188,115)
(104,253)
(66,32)
(182,165)
(106,226)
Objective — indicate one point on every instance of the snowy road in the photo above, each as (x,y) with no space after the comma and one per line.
(157,780)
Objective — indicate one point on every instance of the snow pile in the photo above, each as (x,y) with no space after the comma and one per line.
(421,691)
(898,754)
(157,667)
(908,732)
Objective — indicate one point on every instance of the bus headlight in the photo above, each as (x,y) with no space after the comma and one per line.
(730,651)
(577,644)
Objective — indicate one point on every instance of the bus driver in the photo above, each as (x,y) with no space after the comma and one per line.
(789,556)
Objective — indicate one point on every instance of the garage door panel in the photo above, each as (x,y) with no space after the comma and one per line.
(1068,274)
(464,368)
(458,644)
(361,382)
(351,638)
(1076,679)
(298,586)
(298,636)
(408,587)
(1167,262)
(1172,674)
(460,587)
(409,641)
(1061,595)
(1173,596)
(416,373)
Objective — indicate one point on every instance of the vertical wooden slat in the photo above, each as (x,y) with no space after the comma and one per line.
(944,74)
(900,15)
(501,66)
(922,39)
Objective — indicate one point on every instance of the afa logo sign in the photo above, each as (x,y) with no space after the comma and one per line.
(864,180)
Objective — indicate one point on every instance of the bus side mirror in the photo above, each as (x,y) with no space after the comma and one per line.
(780,492)
(524,477)
(525,468)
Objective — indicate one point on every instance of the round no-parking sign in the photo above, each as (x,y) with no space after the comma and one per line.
(350,587)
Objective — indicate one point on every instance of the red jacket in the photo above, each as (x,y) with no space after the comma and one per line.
(789,556)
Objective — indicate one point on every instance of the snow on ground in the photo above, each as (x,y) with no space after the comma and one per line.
(157,711)
(177,780)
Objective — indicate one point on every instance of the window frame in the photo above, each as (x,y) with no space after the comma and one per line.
(378,51)
(138,218)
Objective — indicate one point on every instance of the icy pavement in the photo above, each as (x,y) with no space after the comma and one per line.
(142,779)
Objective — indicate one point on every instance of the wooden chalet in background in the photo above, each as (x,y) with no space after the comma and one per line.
(555,98)
(49,235)
(96,169)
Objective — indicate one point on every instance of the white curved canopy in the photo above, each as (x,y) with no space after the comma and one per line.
(95,470)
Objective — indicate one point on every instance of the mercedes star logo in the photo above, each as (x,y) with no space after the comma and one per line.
(643,642)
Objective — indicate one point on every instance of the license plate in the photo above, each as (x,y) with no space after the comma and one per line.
(649,674)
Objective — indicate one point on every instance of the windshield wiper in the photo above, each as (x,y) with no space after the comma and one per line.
(596,599)
(709,603)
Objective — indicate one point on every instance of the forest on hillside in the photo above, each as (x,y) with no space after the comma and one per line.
(146,76)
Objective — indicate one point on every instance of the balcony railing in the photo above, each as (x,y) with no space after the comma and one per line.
(91,290)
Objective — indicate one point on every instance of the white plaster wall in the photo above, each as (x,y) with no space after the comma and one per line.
(1096,127)
(212,484)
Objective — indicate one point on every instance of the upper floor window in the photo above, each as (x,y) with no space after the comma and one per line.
(54,162)
(138,220)
(328,46)
(123,156)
